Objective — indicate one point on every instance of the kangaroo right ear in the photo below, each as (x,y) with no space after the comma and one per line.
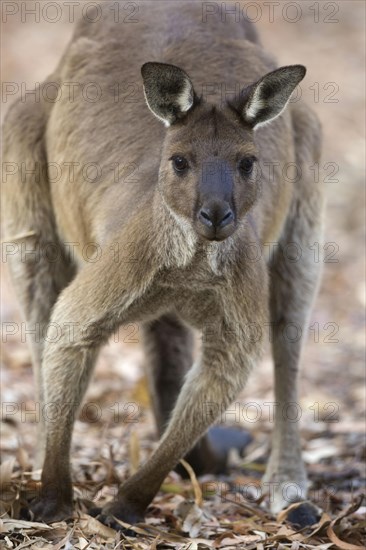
(267,98)
(168,91)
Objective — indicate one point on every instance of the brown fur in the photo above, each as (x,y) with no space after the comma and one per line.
(175,278)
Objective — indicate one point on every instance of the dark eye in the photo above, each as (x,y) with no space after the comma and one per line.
(180,164)
(246,165)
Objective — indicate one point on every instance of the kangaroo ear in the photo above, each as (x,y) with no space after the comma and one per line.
(168,91)
(266,99)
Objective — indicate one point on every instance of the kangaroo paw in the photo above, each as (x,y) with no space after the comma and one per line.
(124,511)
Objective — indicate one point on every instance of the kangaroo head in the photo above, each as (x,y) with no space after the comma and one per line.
(209,159)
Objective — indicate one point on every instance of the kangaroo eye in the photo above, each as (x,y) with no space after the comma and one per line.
(246,165)
(180,164)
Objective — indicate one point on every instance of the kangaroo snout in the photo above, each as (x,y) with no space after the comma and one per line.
(216,220)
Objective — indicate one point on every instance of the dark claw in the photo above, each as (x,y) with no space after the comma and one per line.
(124,511)
(304,515)
(95,511)
(25,514)
(50,511)
(110,521)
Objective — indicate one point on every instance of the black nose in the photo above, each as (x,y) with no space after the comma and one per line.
(216,215)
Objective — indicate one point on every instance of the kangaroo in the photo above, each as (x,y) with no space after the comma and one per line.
(172,242)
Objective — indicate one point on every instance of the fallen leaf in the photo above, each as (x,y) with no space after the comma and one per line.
(9,525)
(196,486)
(340,543)
(191,516)
(92,526)
(134,452)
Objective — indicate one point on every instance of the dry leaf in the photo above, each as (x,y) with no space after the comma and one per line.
(196,486)
(9,525)
(340,543)
(191,516)
(134,452)
(92,526)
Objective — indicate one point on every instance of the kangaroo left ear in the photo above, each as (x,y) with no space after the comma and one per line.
(168,91)
(268,97)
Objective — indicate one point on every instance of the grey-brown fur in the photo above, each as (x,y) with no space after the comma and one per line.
(176,278)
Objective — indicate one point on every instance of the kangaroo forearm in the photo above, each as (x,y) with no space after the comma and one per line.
(205,394)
